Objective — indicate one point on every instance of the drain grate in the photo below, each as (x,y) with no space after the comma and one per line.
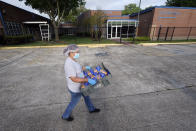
(178,51)
(102,54)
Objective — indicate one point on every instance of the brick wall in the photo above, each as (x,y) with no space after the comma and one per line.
(111,14)
(1,26)
(145,23)
(170,17)
(12,13)
(16,16)
(181,19)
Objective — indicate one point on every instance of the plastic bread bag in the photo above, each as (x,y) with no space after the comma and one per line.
(99,73)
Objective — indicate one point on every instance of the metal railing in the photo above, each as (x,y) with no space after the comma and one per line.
(172,33)
(128,34)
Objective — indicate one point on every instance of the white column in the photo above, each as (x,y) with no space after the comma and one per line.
(48,32)
(116,31)
(128,29)
(107,29)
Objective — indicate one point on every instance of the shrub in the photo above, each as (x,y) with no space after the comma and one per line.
(1,40)
(85,34)
(18,39)
(142,38)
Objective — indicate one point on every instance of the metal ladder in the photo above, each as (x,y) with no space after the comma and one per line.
(45,31)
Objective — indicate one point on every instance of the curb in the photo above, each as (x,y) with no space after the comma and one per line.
(80,45)
(98,45)
(155,44)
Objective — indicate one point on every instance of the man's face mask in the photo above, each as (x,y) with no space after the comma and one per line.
(76,56)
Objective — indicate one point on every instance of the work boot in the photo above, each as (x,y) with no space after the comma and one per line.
(95,111)
(68,119)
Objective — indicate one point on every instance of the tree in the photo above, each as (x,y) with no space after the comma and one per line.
(55,9)
(181,3)
(96,22)
(130,9)
(74,13)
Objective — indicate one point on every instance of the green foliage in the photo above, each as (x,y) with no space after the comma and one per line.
(181,3)
(84,40)
(95,23)
(141,38)
(74,13)
(130,9)
(57,10)
(54,8)
(17,39)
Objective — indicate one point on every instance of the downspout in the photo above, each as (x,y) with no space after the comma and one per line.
(2,21)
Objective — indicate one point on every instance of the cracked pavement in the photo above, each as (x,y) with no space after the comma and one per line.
(152,89)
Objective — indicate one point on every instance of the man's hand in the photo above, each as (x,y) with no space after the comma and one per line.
(83,80)
(86,68)
(91,81)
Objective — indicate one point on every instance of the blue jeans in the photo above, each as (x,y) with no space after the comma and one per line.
(75,97)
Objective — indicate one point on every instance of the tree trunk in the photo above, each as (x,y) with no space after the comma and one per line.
(91,32)
(56,31)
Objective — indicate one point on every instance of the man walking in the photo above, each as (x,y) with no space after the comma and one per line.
(75,78)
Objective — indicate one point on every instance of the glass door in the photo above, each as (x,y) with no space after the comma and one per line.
(113,32)
(118,32)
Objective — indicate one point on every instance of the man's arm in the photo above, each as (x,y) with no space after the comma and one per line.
(79,80)
(83,68)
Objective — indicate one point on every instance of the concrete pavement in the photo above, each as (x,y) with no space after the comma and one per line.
(153,88)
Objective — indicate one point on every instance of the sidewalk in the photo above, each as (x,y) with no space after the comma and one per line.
(167,43)
(152,89)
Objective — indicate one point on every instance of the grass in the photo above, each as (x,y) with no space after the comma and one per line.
(84,40)
(168,41)
(36,43)
(64,40)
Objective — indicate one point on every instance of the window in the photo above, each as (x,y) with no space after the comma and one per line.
(131,23)
(125,23)
(109,24)
(13,28)
(121,28)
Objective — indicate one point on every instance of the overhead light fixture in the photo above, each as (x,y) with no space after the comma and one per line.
(3,11)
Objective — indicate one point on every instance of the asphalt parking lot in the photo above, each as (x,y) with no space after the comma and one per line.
(152,89)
